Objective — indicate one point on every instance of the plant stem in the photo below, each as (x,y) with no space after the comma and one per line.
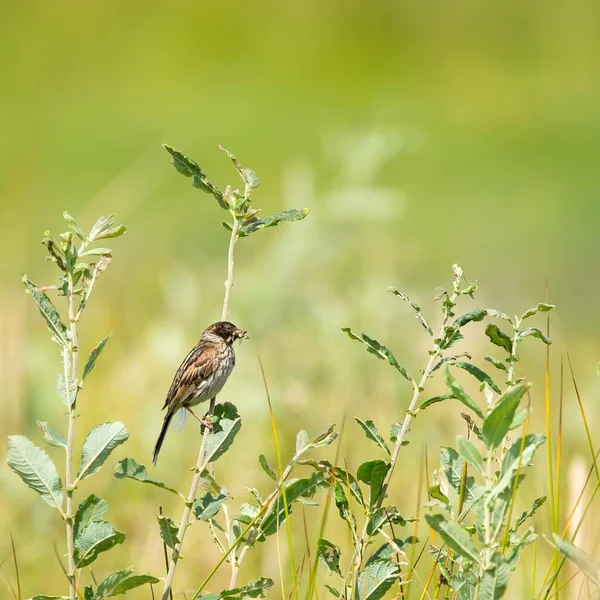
(229,281)
(74,352)
(200,462)
(410,413)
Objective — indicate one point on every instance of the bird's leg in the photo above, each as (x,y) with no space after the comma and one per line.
(205,422)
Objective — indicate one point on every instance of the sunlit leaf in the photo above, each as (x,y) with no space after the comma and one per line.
(207,507)
(497,363)
(455,536)
(94,354)
(469,452)
(535,332)
(373,473)
(52,436)
(415,307)
(35,468)
(459,393)
(48,311)
(379,350)
(498,422)
(495,579)
(498,337)
(98,445)
(97,537)
(168,531)
(290,214)
(541,307)
(129,468)
(579,557)
(376,579)
(373,434)
(92,509)
(266,467)
(220,439)
(478,374)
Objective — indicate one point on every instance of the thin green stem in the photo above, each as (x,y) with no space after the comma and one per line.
(200,462)
(69,379)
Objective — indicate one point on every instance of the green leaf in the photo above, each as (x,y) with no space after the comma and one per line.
(101,226)
(347,480)
(291,214)
(520,415)
(97,537)
(514,459)
(497,424)
(379,350)
(129,468)
(190,168)
(451,337)
(248,176)
(435,400)
(494,581)
(329,554)
(497,363)
(67,396)
(469,452)
(459,393)
(168,531)
(382,516)
(106,587)
(538,502)
(94,354)
(541,307)
(474,316)
(324,438)
(73,225)
(113,232)
(48,311)
(435,492)
(207,507)
(266,467)
(371,432)
(91,510)
(256,589)
(35,468)
(415,307)
(455,536)
(44,597)
(293,491)
(98,445)
(373,473)
(535,332)
(333,591)
(52,436)
(132,582)
(302,441)
(376,579)
(220,439)
(579,557)
(498,337)
(478,374)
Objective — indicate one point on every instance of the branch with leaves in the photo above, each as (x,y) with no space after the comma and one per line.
(226,420)
(80,261)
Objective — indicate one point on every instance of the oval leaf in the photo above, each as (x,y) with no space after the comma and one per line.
(498,422)
(222,437)
(454,535)
(97,537)
(376,579)
(129,468)
(373,434)
(100,442)
(35,468)
(459,393)
(94,354)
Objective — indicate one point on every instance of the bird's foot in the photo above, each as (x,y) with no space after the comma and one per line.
(204,422)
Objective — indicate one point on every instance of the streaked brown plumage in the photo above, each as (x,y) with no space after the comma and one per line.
(202,374)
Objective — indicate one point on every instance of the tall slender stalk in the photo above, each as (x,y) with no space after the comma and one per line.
(435,354)
(200,462)
(74,359)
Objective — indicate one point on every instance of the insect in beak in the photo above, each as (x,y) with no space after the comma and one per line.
(241,334)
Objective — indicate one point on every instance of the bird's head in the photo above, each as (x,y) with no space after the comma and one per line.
(227,331)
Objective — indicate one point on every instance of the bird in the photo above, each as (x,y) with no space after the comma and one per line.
(202,374)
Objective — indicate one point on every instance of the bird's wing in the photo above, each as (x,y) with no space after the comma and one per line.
(196,366)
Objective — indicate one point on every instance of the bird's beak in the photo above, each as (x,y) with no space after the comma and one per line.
(241,334)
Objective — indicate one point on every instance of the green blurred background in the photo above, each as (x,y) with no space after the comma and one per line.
(418,133)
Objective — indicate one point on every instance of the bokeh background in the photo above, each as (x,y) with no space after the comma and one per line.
(418,133)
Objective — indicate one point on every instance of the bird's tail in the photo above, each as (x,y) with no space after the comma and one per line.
(161,435)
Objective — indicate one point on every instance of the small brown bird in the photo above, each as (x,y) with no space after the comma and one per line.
(202,374)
